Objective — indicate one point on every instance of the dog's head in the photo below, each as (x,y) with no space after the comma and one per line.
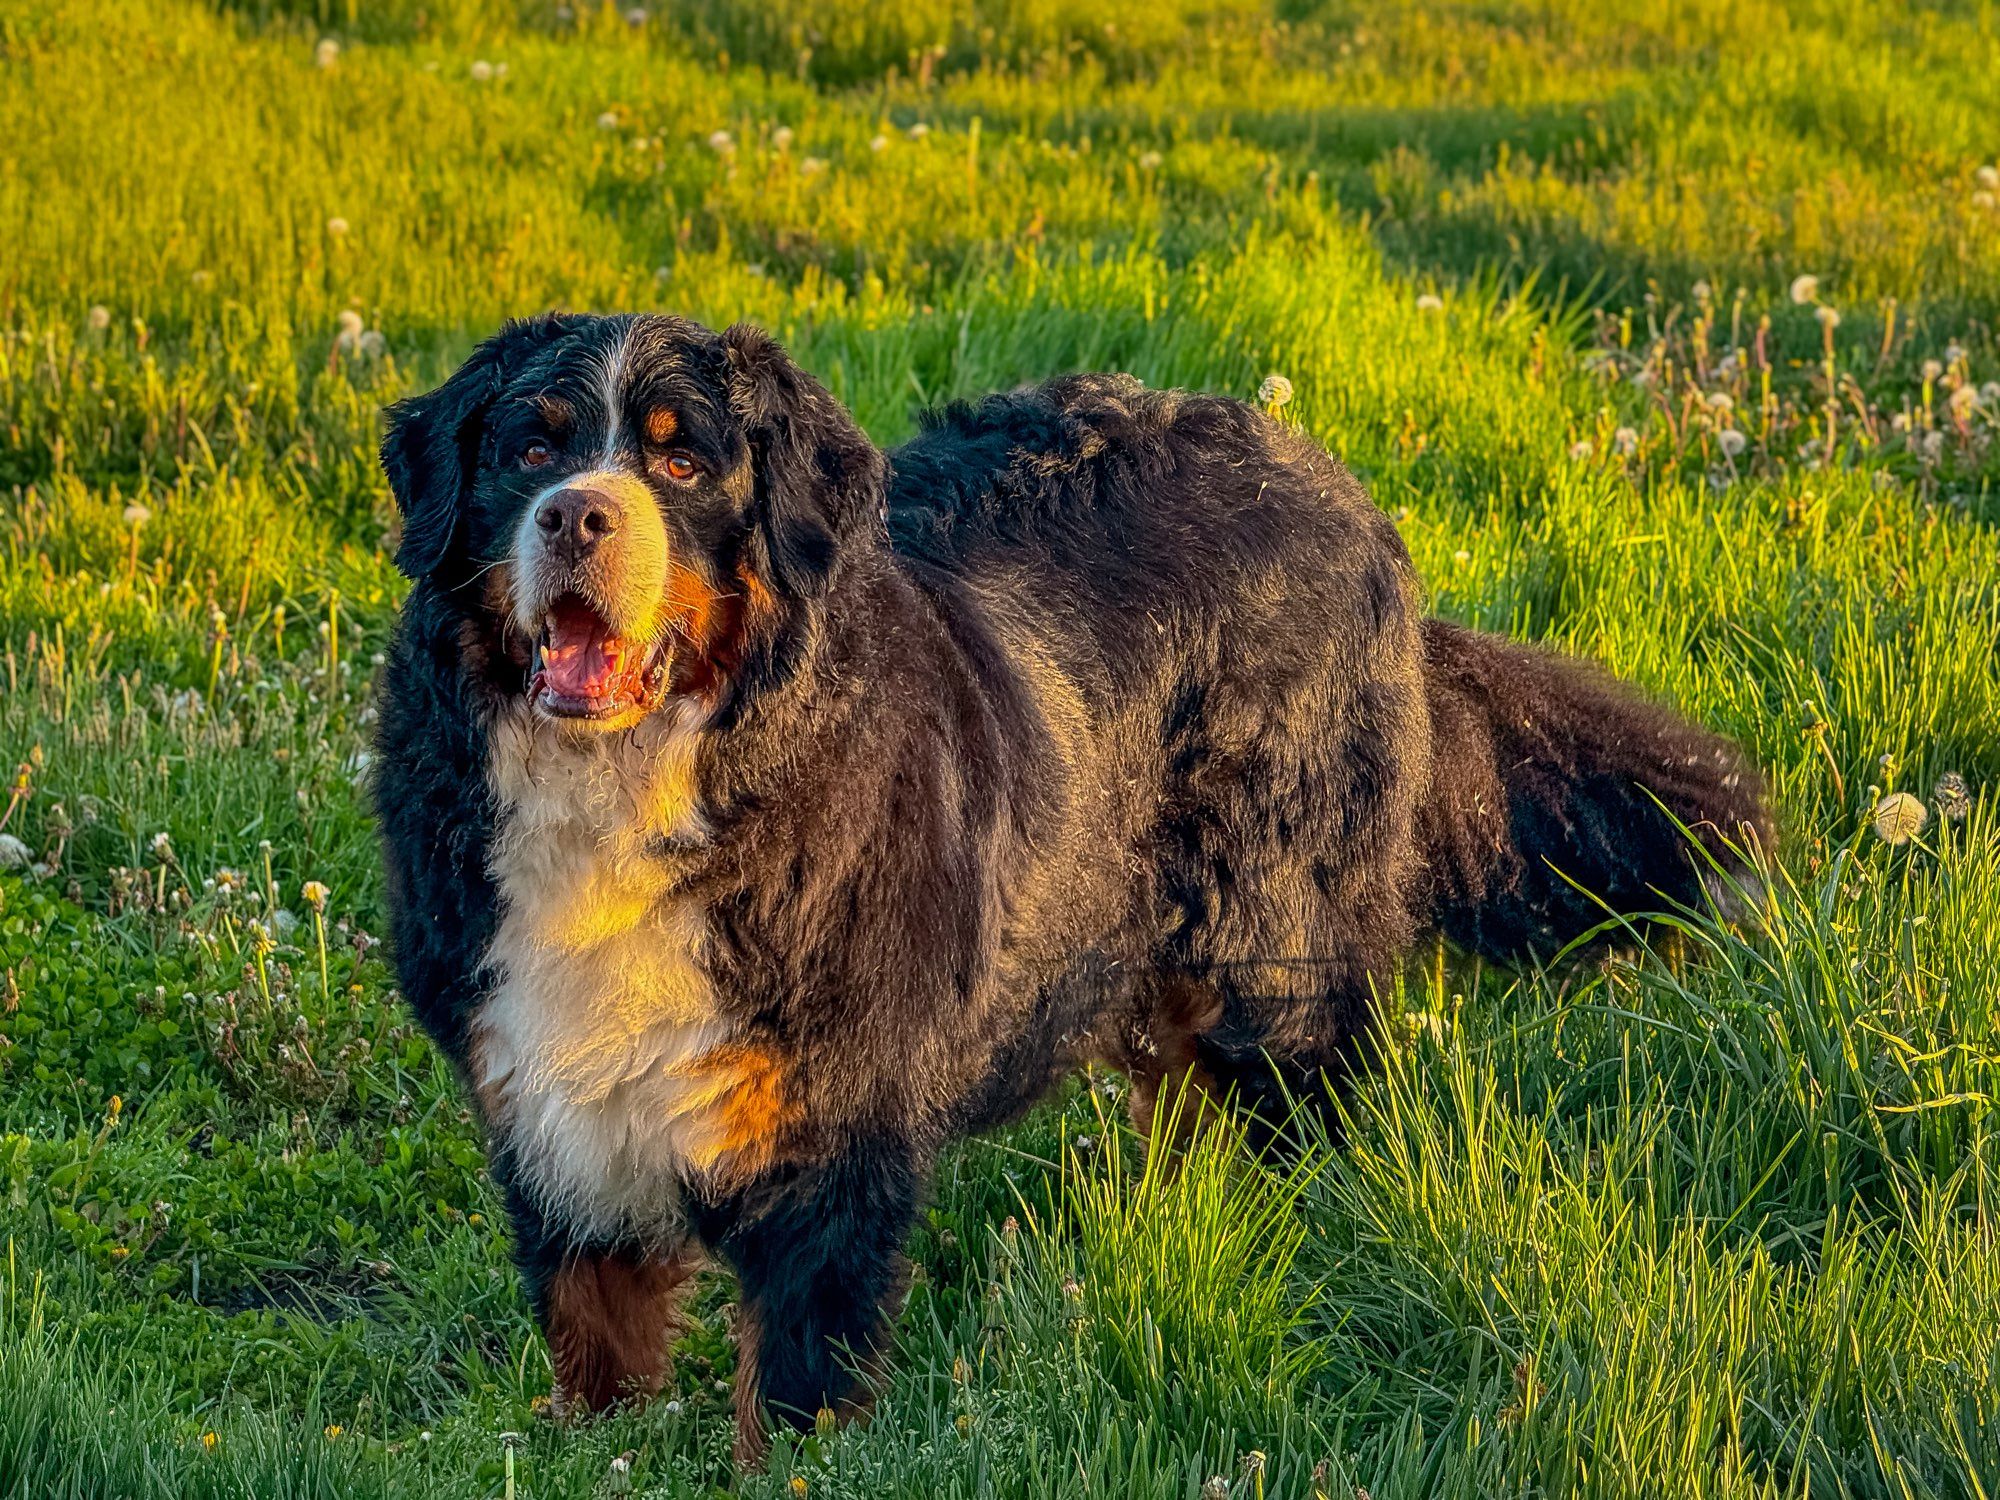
(626,501)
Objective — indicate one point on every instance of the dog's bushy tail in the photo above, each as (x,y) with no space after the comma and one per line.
(1555,796)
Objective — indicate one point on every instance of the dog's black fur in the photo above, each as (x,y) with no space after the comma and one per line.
(1096,722)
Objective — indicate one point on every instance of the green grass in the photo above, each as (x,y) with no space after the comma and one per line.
(1720,1220)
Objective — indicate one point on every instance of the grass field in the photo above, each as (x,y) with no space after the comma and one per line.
(1665,328)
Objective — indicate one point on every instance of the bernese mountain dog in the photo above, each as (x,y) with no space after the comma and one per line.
(762,810)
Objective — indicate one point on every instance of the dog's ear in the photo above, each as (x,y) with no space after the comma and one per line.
(819,481)
(430,443)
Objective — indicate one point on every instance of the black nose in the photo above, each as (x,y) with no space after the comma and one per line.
(574,522)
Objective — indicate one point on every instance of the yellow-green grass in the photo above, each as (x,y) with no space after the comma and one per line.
(1719,1220)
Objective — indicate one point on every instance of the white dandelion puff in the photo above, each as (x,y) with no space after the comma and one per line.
(879,143)
(721,142)
(607,121)
(1148,160)
(482,71)
(1829,319)
(99,318)
(1430,302)
(918,131)
(371,344)
(337,227)
(782,138)
(1626,441)
(136,514)
(1731,442)
(14,855)
(1804,289)
(327,53)
(1581,449)
(1275,390)
(1988,177)
(1899,817)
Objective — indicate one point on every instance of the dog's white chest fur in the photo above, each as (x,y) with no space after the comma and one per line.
(590,1055)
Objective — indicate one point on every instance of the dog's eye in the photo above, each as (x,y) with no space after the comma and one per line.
(680,466)
(536,454)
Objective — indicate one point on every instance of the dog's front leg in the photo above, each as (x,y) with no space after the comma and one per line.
(608,1312)
(819,1253)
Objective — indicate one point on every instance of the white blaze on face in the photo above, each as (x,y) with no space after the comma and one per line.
(599,618)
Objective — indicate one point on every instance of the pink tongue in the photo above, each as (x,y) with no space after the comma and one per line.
(578,660)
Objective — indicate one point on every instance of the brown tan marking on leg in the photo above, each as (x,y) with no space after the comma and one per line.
(752,1441)
(610,1319)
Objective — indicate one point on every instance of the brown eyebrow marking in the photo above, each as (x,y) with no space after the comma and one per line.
(554,410)
(662,422)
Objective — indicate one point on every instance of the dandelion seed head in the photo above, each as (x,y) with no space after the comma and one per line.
(136,514)
(1720,401)
(782,138)
(1275,390)
(1899,817)
(1829,319)
(1933,370)
(1804,288)
(1430,302)
(1702,291)
(918,131)
(99,318)
(878,143)
(1581,449)
(372,344)
(721,142)
(336,226)
(14,855)
(1988,176)
(636,16)
(1626,441)
(327,53)
(1984,201)
(1731,442)
(812,166)
(1953,797)
(482,71)
(1148,160)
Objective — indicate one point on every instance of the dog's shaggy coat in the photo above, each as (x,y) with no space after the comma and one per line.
(762,810)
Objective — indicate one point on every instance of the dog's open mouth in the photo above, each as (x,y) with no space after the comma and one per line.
(583,669)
